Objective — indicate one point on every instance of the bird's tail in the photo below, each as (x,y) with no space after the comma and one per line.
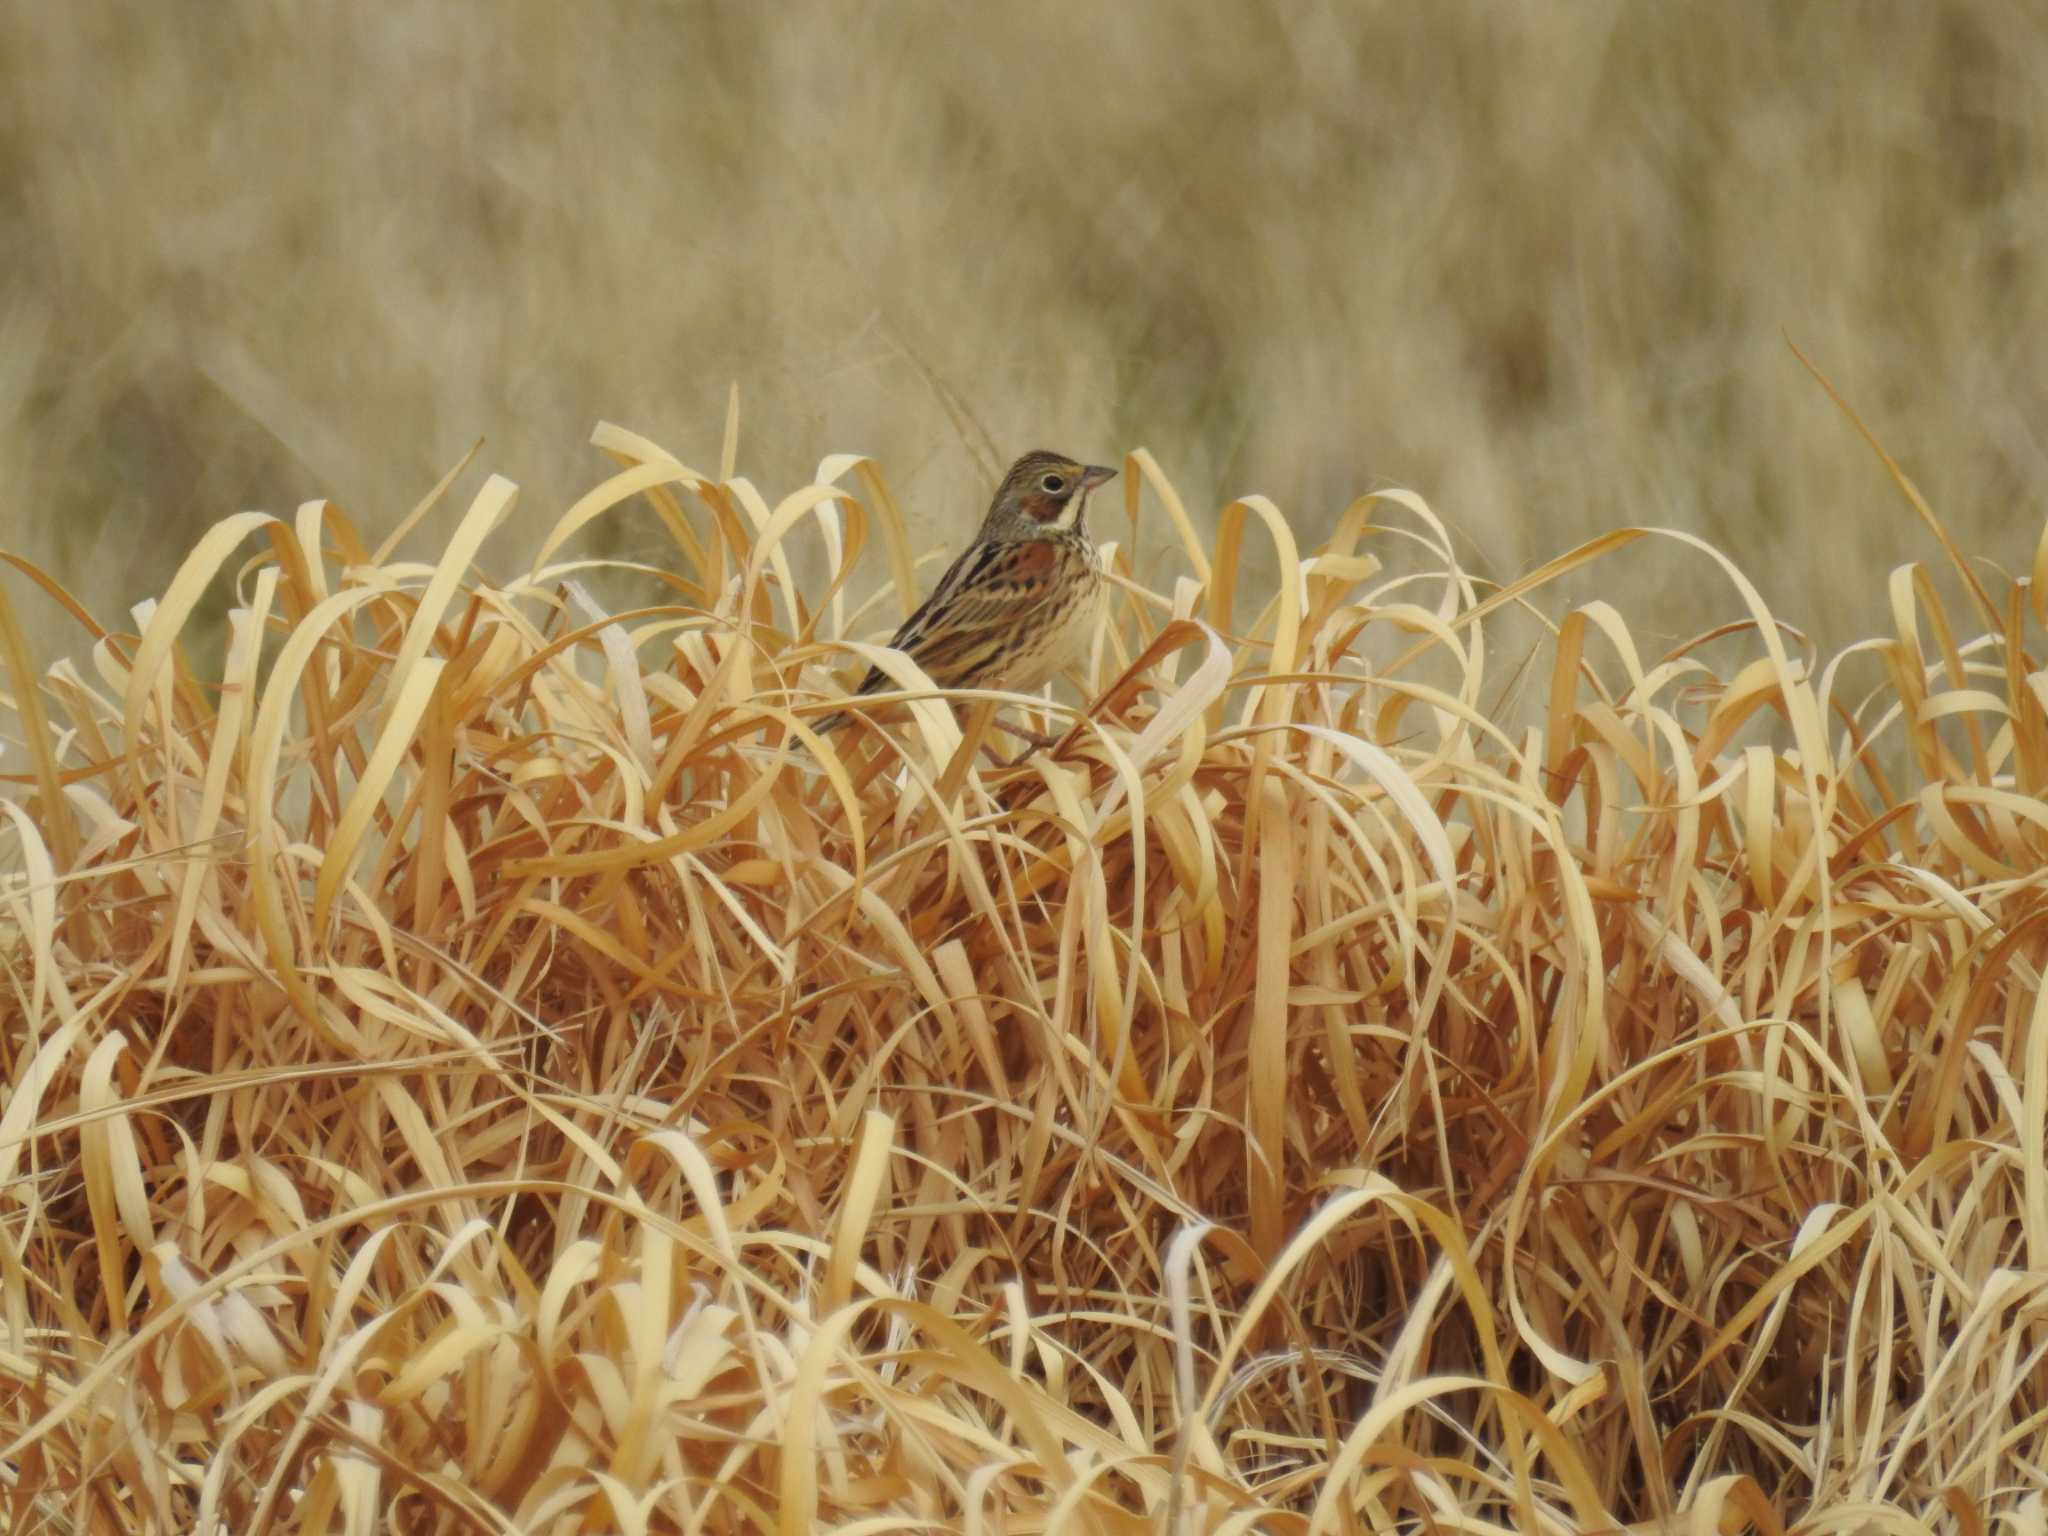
(875,679)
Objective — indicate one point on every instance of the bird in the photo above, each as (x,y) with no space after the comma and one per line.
(1020,602)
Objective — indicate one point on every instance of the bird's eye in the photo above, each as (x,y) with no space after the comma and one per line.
(1053,483)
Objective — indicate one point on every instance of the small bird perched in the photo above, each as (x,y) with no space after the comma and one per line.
(1020,602)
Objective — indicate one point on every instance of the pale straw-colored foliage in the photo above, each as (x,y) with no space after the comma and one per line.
(482,1065)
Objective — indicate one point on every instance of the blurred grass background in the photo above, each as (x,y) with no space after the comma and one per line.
(1537,262)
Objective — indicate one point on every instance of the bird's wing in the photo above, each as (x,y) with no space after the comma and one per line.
(975,614)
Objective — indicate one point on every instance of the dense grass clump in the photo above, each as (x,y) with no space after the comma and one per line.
(486,1064)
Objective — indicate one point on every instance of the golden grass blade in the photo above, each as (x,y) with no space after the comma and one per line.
(1139,467)
(114,1189)
(180,598)
(1265,1170)
(393,743)
(729,444)
(48,983)
(266,751)
(490,507)
(864,1185)
(599,500)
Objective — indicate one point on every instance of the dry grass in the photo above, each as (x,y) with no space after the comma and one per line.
(472,1069)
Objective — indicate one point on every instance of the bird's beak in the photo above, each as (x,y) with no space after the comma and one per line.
(1094,475)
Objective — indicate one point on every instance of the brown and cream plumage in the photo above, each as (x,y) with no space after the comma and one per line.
(1020,602)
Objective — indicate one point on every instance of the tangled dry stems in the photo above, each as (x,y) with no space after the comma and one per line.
(484,1065)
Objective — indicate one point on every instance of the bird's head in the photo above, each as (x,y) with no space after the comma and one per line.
(1044,494)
